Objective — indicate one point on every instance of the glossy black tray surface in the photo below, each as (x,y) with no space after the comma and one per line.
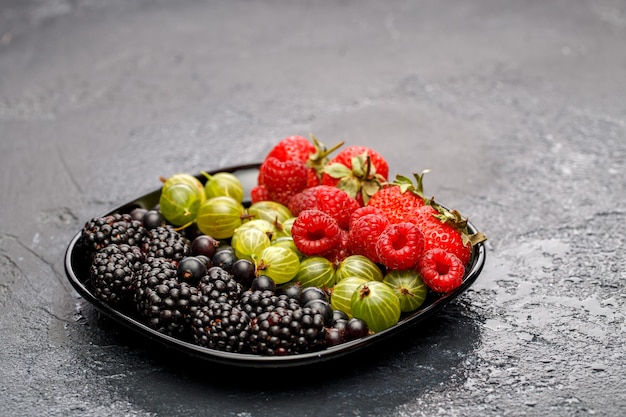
(77,272)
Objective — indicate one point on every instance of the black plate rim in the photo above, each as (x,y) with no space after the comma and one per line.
(251,360)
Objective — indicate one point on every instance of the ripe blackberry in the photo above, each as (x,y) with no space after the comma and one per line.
(165,242)
(100,232)
(285,332)
(162,301)
(112,272)
(257,302)
(219,285)
(221,326)
(132,253)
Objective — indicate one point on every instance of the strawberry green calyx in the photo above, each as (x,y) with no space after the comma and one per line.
(406,184)
(318,159)
(362,179)
(456,220)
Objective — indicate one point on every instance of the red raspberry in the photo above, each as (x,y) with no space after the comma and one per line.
(441,271)
(362,211)
(400,245)
(315,233)
(364,233)
(342,250)
(330,200)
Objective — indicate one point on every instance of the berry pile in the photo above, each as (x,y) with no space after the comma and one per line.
(327,251)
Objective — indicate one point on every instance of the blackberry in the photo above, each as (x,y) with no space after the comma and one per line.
(133,253)
(221,326)
(112,272)
(162,301)
(219,286)
(165,242)
(257,302)
(283,331)
(100,232)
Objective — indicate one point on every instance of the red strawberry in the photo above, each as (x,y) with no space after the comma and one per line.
(259,193)
(358,170)
(330,200)
(315,233)
(282,180)
(364,233)
(400,245)
(441,271)
(443,229)
(399,199)
(313,154)
(292,148)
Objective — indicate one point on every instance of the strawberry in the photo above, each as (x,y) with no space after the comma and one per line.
(445,229)
(400,245)
(283,179)
(399,199)
(313,154)
(292,148)
(441,271)
(259,193)
(364,233)
(358,170)
(315,233)
(331,200)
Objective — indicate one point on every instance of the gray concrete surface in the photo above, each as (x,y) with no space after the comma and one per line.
(517,107)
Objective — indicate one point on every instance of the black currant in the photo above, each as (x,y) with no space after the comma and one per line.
(138,213)
(292,290)
(340,315)
(263,283)
(333,337)
(153,219)
(205,260)
(243,272)
(224,259)
(340,324)
(191,270)
(322,307)
(355,329)
(312,293)
(204,245)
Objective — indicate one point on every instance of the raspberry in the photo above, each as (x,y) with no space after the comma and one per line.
(331,200)
(400,245)
(362,211)
(315,233)
(342,250)
(441,271)
(364,233)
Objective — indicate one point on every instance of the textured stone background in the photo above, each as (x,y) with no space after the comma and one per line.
(517,107)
